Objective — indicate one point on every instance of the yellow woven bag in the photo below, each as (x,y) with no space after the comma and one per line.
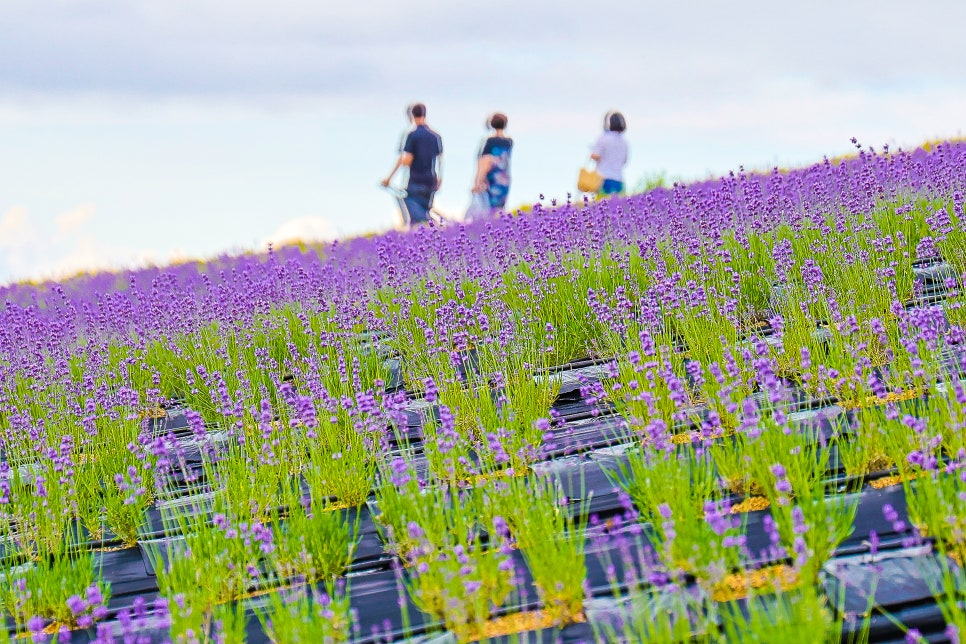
(589,180)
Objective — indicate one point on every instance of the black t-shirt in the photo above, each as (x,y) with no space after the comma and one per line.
(425,145)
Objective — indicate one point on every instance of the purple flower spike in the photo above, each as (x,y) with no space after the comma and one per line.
(76,604)
(914,636)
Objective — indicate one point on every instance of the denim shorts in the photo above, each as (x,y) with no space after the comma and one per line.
(419,199)
(611,187)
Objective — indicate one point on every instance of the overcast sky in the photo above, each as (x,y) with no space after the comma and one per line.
(134,130)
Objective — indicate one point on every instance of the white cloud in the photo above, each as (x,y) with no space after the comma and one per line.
(15,228)
(248,49)
(87,255)
(302,229)
(17,239)
(72,222)
(64,248)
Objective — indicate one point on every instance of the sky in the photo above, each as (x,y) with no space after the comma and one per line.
(139,131)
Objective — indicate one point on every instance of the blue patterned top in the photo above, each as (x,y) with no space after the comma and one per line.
(498,178)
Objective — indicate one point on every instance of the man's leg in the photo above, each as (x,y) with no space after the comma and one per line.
(419,199)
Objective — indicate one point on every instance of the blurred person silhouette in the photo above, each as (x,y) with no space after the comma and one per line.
(422,153)
(492,183)
(610,154)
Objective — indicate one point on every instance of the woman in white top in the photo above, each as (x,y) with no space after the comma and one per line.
(610,153)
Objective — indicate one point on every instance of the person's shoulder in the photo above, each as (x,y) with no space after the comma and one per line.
(616,139)
(429,134)
(408,140)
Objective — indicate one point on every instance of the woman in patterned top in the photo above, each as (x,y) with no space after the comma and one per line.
(493,166)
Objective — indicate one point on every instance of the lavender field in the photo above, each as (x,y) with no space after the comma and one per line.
(728,411)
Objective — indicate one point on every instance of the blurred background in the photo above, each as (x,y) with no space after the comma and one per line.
(135,131)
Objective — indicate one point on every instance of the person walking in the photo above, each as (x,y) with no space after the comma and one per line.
(422,153)
(610,154)
(492,183)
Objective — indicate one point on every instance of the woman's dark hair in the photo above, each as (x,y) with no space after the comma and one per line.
(497,120)
(416,110)
(614,122)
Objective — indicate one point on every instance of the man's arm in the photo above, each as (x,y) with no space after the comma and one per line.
(405,159)
(439,170)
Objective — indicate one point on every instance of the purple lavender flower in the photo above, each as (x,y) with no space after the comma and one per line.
(76,604)
(400,472)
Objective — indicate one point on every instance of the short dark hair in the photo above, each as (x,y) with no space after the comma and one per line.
(498,120)
(417,110)
(614,122)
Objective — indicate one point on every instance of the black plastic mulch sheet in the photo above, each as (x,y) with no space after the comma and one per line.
(380,613)
(396,380)
(889,579)
(174,421)
(129,575)
(586,483)
(583,454)
(935,276)
(375,594)
(585,435)
(370,548)
(593,434)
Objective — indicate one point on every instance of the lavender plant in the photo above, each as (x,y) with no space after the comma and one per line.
(314,542)
(305,613)
(725,304)
(675,490)
(64,589)
(532,513)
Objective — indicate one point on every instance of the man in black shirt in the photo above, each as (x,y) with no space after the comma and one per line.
(422,153)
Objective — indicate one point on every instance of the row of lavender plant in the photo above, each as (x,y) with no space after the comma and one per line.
(718,301)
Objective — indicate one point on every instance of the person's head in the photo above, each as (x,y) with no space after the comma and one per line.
(614,122)
(416,112)
(497,121)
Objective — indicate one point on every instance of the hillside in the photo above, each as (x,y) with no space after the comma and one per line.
(725,411)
